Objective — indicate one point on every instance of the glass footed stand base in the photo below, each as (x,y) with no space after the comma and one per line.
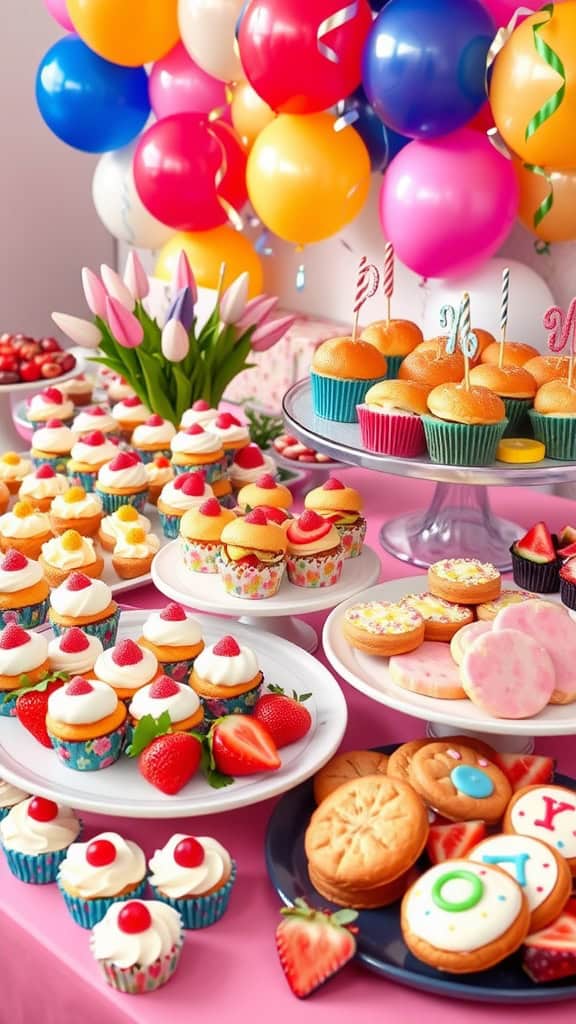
(459,523)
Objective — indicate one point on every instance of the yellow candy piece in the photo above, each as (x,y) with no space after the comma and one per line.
(74,494)
(22,509)
(11,458)
(71,540)
(136,535)
(520,449)
(127,514)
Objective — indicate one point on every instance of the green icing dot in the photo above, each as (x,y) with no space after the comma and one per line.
(476,891)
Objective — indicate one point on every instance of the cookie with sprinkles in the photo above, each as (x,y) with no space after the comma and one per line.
(460,783)
(464,580)
(441,618)
(462,917)
(489,610)
(547,813)
(383,628)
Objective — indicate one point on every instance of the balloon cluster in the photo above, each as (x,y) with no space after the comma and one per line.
(198,106)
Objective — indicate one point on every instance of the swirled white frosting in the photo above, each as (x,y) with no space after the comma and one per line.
(42,408)
(235,434)
(175,881)
(201,416)
(130,413)
(93,454)
(126,677)
(77,603)
(29,576)
(21,832)
(89,882)
(145,433)
(180,706)
(149,546)
(54,553)
(124,950)
(33,486)
(85,422)
(24,526)
(220,670)
(172,632)
(133,476)
(195,444)
(89,505)
(74,662)
(53,439)
(79,385)
(17,660)
(118,390)
(10,795)
(82,708)
(175,498)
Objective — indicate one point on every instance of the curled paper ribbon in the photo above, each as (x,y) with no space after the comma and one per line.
(560,326)
(553,60)
(548,201)
(336,20)
(345,120)
(451,323)
(231,213)
(501,38)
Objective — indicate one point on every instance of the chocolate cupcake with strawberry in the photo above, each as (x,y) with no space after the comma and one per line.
(536,562)
(314,555)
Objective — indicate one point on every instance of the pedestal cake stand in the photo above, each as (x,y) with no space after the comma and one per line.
(459,519)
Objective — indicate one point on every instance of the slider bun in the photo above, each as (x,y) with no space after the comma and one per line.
(476,405)
(545,368)
(556,397)
(241,534)
(402,394)
(430,368)
(516,353)
(508,381)
(342,357)
(396,338)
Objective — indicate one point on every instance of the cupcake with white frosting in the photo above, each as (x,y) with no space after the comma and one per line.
(24,529)
(10,796)
(35,836)
(79,389)
(118,388)
(159,473)
(166,695)
(22,652)
(137,945)
(76,509)
(23,591)
(123,481)
(13,469)
(129,413)
(199,412)
(248,465)
(194,875)
(87,603)
(41,486)
(232,434)
(153,437)
(51,446)
(227,678)
(116,525)
(126,667)
(187,491)
(175,638)
(68,553)
(49,404)
(94,418)
(98,873)
(74,652)
(87,457)
(86,724)
(134,552)
(196,448)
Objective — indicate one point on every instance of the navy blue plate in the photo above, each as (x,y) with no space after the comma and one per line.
(381,947)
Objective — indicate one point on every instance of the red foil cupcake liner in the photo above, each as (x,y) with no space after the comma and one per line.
(391,433)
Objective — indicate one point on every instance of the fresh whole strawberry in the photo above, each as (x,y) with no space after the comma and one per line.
(286,718)
(313,946)
(32,707)
(167,760)
(240,745)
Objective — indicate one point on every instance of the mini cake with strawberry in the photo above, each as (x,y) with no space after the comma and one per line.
(265,491)
(94,418)
(23,591)
(87,457)
(200,534)
(68,553)
(341,506)
(24,529)
(248,465)
(22,653)
(118,523)
(199,412)
(87,603)
(122,481)
(130,413)
(137,945)
(13,469)
(187,491)
(231,432)
(86,723)
(227,678)
(314,556)
(166,695)
(51,446)
(175,638)
(41,486)
(49,404)
(35,836)
(159,473)
(78,510)
(153,437)
(134,552)
(105,870)
(126,667)
(535,561)
(74,652)
(195,448)
(195,875)
(252,559)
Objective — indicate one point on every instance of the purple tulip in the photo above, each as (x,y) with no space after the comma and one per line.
(94,292)
(124,326)
(256,311)
(175,343)
(268,334)
(135,277)
(184,277)
(182,308)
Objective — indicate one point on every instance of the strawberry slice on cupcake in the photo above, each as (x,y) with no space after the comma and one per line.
(341,506)
(315,555)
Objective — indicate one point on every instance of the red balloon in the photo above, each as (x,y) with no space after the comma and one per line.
(233,186)
(483,120)
(302,56)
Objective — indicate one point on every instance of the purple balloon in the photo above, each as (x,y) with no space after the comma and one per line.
(449,204)
(178,86)
(58,10)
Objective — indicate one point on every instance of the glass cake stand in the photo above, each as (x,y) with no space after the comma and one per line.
(459,517)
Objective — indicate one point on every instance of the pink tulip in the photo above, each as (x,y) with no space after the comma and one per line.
(94,292)
(116,288)
(233,302)
(123,325)
(135,277)
(256,311)
(184,277)
(268,334)
(175,343)
(80,331)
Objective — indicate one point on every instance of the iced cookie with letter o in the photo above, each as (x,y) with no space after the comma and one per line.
(459,783)
(547,813)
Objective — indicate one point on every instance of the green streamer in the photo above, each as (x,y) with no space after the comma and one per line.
(553,60)
(548,201)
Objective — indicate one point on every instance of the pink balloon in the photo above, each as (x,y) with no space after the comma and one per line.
(502,10)
(448,205)
(178,86)
(57,9)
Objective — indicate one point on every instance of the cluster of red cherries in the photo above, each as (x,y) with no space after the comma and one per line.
(25,359)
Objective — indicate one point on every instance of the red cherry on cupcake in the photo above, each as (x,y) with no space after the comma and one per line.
(161,461)
(267,482)
(94,438)
(54,424)
(164,687)
(200,405)
(127,653)
(78,581)
(13,561)
(195,429)
(332,484)
(73,641)
(134,918)
(100,853)
(189,853)
(227,647)
(44,473)
(210,507)
(78,687)
(13,636)
(183,479)
(53,395)
(173,612)
(42,810)
(225,420)
(154,420)
(249,457)
(124,460)
(193,485)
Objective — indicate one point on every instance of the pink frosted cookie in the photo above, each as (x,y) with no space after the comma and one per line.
(508,674)
(551,627)
(430,671)
(461,640)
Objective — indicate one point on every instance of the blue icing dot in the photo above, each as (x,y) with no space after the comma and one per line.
(472,782)
(502,899)
(560,844)
(427,912)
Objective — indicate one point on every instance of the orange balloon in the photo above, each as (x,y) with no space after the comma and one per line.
(559,224)
(129,32)
(207,250)
(522,82)
(250,114)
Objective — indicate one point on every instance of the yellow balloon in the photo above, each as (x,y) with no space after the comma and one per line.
(249,113)
(305,180)
(129,32)
(207,250)
(522,82)
(559,224)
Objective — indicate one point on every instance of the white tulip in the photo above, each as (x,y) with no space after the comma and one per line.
(233,302)
(80,331)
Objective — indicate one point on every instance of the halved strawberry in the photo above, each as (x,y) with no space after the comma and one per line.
(551,953)
(453,840)
(242,746)
(537,545)
(313,945)
(32,707)
(526,769)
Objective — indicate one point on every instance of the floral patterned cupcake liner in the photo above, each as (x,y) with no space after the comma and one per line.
(87,913)
(201,911)
(86,479)
(314,570)
(150,455)
(249,582)
(34,868)
(112,502)
(138,980)
(105,629)
(212,470)
(352,537)
(7,705)
(200,557)
(90,755)
(57,462)
(29,616)
(218,707)
(177,670)
(170,524)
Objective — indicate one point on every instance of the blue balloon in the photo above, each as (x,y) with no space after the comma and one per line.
(87,101)
(369,127)
(377,5)
(395,141)
(424,64)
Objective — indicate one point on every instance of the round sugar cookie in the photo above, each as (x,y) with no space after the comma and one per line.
(463,917)
(460,783)
(353,764)
(508,674)
(461,640)
(547,813)
(441,619)
(550,626)
(383,628)
(430,671)
(489,610)
(399,760)
(543,875)
(464,580)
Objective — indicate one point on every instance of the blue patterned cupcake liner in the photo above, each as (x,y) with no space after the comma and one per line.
(29,616)
(392,366)
(87,913)
(112,502)
(212,470)
(218,707)
(85,479)
(7,706)
(105,629)
(38,424)
(151,454)
(201,911)
(177,670)
(34,868)
(138,980)
(5,811)
(57,462)
(170,524)
(90,755)
(335,398)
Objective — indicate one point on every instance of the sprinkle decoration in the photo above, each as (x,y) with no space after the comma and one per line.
(561,329)
(334,21)
(504,303)
(388,281)
(366,286)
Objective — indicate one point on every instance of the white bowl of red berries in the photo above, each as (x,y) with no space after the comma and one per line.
(25,360)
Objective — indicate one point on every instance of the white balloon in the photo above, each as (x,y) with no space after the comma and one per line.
(208,29)
(119,206)
(530,297)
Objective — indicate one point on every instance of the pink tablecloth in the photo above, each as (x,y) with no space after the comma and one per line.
(230,973)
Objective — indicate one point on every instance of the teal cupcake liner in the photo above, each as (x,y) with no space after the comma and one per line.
(112,502)
(138,980)
(34,868)
(201,911)
(57,462)
(7,705)
(170,524)
(558,433)
(517,410)
(29,617)
(85,479)
(212,470)
(39,424)
(4,812)
(177,670)
(90,755)
(105,629)
(462,444)
(392,366)
(87,913)
(149,456)
(334,398)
